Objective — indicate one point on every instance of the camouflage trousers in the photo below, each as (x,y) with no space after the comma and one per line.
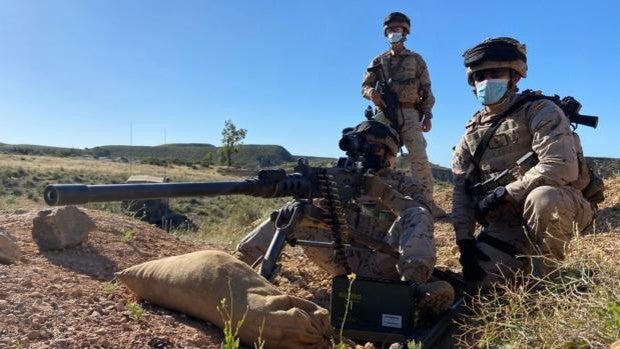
(413,139)
(411,234)
(533,238)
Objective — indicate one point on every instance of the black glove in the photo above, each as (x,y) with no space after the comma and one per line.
(489,203)
(470,255)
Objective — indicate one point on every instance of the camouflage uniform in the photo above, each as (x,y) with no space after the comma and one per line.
(548,206)
(409,229)
(412,84)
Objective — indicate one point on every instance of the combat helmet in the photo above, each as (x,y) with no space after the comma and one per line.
(502,52)
(396,18)
(370,130)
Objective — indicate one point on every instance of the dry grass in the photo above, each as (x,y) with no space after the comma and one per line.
(578,309)
(581,309)
(23,177)
(225,220)
(42,164)
(608,218)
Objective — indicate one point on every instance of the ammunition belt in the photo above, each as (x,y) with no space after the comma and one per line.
(333,213)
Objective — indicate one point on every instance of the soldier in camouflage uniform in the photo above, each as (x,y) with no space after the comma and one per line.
(393,209)
(535,215)
(409,79)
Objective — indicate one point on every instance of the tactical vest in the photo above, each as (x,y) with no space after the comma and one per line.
(511,140)
(370,219)
(402,72)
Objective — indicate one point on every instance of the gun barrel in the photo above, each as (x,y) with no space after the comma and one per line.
(74,194)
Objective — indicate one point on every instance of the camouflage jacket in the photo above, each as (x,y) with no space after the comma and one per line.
(409,78)
(539,126)
(374,217)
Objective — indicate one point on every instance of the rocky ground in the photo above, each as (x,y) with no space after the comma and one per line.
(68,298)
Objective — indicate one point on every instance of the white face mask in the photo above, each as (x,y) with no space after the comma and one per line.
(394,37)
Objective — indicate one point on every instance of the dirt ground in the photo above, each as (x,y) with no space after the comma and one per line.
(65,299)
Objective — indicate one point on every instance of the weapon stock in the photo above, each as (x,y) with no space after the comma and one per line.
(390,98)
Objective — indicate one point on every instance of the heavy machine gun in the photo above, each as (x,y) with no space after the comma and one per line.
(318,194)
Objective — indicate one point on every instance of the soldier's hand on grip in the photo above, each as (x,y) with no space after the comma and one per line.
(377,99)
(374,186)
(427,124)
(489,203)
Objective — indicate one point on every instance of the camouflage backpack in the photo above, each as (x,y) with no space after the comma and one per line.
(589,182)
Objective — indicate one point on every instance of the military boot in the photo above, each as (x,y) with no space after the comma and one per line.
(435,296)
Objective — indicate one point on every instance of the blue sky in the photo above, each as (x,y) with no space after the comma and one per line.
(79,73)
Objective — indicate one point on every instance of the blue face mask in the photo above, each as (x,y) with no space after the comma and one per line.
(491,91)
(393,37)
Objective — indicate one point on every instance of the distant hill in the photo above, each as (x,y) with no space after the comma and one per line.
(250,156)
(29,149)
(182,152)
(440,173)
(605,167)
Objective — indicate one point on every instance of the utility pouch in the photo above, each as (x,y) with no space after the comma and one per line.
(594,192)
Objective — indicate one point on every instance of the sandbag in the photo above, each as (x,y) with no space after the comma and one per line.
(196,283)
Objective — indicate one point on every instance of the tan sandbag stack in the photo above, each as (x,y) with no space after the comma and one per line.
(196,283)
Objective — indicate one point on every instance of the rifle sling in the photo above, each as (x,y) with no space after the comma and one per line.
(486,138)
(498,244)
(484,142)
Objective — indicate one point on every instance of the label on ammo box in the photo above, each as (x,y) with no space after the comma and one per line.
(389,320)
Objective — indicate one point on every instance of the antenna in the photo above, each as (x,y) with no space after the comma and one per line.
(166,220)
(130,148)
(165,155)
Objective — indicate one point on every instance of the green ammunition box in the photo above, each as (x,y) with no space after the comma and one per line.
(379,310)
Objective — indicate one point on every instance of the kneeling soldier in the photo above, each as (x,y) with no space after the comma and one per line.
(537,213)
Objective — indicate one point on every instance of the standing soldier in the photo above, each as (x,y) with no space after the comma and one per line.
(537,212)
(406,74)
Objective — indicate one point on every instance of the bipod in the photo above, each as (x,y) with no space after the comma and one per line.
(285,222)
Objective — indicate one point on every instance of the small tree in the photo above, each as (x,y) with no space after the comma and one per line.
(231,140)
(207,160)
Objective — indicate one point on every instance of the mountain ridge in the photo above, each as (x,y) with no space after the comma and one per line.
(250,156)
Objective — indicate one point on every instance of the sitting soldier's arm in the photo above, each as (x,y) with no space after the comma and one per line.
(463,218)
(553,143)
(388,195)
